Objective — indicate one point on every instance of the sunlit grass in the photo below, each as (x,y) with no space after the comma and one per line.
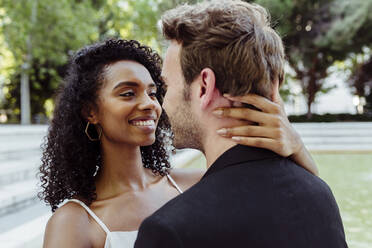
(350,178)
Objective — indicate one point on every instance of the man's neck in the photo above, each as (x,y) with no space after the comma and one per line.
(214,146)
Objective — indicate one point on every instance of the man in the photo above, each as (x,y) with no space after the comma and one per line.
(249,197)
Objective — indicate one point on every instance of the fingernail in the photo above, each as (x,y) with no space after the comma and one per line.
(236,138)
(226,95)
(222,131)
(218,112)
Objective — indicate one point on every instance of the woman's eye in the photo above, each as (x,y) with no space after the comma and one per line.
(127,94)
(152,94)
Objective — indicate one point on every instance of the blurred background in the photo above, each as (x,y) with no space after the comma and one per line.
(328,93)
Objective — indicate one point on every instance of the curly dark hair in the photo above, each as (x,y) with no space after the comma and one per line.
(69,158)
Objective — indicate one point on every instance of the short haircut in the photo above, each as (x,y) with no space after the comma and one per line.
(233,38)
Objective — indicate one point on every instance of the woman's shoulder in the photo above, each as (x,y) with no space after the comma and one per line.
(185,177)
(69,213)
(68,226)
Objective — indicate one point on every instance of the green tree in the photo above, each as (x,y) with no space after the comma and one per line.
(361,79)
(46,41)
(318,33)
(40,34)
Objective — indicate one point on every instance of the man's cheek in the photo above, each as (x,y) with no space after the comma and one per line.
(165,102)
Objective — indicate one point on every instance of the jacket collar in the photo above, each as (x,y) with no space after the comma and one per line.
(239,154)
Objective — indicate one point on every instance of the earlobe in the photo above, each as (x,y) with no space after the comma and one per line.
(89,114)
(275,95)
(208,87)
(92,119)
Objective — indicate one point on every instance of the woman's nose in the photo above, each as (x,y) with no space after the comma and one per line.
(147,102)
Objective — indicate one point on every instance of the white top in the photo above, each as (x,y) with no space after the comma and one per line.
(117,239)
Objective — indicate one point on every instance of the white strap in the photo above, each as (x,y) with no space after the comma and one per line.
(174,184)
(95,217)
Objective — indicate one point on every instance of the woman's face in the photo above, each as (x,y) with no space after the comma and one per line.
(128,110)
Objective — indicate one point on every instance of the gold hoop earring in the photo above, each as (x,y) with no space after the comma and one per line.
(89,137)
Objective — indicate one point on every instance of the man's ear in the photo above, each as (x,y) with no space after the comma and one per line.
(207,87)
(275,95)
(89,112)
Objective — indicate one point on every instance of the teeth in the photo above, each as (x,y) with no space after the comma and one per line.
(143,123)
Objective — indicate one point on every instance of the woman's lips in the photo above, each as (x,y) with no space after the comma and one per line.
(143,123)
(147,126)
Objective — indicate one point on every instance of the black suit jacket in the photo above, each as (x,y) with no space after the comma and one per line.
(252,198)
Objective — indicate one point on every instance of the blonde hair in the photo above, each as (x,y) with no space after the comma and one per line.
(233,38)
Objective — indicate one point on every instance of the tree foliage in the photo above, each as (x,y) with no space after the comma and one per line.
(318,33)
(47,32)
(361,77)
(58,29)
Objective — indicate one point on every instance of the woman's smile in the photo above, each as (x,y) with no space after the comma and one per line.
(129,94)
(145,123)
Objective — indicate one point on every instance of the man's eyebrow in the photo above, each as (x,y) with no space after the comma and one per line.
(131,84)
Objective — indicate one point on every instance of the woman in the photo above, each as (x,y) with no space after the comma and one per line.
(107,148)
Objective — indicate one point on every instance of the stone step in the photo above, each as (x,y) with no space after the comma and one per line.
(22,129)
(18,140)
(342,128)
(24,215)
(335,133)
(21,169)
(29,234)
(20,154)
(332,125)
(16,196)
(337,140)
(338,148)
(16,145)
(344,136)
